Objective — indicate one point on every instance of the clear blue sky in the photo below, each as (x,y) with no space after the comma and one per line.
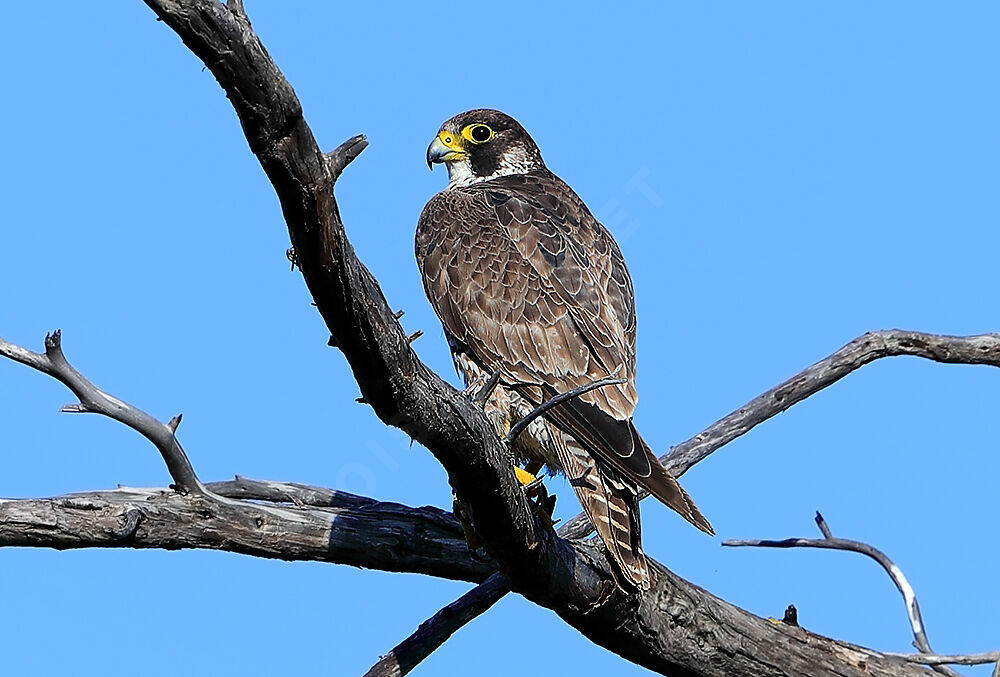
(781,177)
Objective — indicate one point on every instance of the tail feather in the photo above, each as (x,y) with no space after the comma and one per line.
(668,490)
(617,445)
(612,506)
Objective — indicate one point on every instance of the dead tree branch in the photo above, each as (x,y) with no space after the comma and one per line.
(954,659)
(875,345)
(436,630)
(93,399)
(345,529)
(926,655)
(983,349)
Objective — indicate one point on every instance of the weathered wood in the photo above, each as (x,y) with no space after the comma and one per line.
(352,530)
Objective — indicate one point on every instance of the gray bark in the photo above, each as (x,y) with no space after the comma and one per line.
(346,530)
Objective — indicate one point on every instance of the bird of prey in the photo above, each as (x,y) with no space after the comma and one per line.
(529,285)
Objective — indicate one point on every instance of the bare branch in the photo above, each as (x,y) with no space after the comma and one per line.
(348,529)
(895,573)
(288,492)
(93,399)
(983,349)
(435,631)
(953,659)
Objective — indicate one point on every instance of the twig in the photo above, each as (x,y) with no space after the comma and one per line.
(93,399)
(903,585)
(436,630)
(524,422)
(981,349)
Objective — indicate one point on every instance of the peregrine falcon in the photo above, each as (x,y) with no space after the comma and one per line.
(529,285)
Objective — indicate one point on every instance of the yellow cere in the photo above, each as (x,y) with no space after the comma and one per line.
(449,140)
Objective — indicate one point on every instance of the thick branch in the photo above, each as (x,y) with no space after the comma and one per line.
(400,389)
(349,530)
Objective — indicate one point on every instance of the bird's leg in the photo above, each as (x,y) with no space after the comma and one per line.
(468,530)
(543,503)
(526,479)
(482,388)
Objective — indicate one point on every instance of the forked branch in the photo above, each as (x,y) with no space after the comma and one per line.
(926,655)
(92,399)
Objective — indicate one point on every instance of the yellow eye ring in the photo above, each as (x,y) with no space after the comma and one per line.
(477,133)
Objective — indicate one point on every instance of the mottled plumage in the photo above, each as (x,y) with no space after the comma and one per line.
(528,283)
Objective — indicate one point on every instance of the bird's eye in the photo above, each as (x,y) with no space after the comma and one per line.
(478,133)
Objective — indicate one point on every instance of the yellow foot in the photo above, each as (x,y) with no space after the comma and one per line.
(523,476)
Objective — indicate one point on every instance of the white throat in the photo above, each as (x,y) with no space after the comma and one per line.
(514,161)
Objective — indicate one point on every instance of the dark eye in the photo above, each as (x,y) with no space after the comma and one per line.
(480,133)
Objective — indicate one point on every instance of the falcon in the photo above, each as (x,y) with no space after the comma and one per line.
(530,287)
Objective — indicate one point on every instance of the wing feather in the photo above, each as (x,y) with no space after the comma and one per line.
(521,273)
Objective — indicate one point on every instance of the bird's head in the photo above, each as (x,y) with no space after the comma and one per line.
(483,144)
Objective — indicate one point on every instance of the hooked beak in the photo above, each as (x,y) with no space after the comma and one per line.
(444,148)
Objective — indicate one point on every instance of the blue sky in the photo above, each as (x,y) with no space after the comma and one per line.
(781,178)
